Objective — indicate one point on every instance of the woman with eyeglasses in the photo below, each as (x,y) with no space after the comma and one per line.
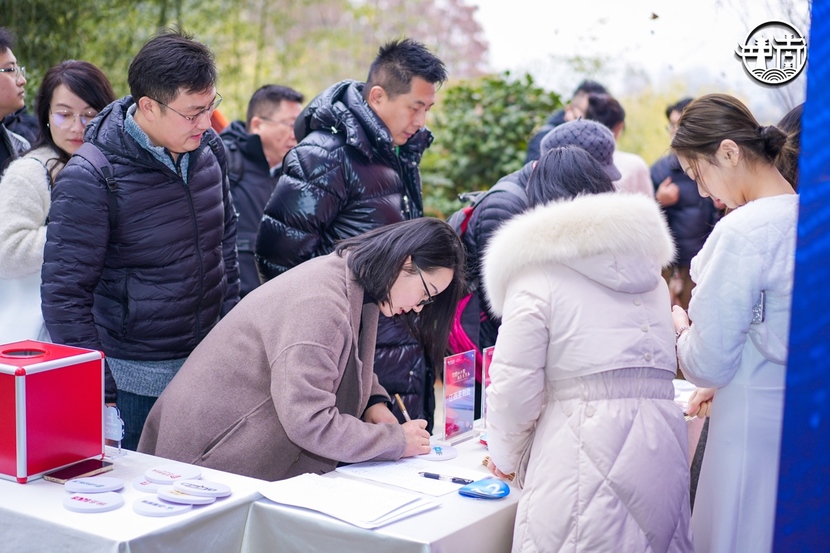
(71,95)
(284,384)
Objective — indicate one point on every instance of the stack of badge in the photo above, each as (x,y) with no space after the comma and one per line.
(95,494)
(93,502)
(94,484)
(143,485)
(202,488)
(167,474)
(151,507)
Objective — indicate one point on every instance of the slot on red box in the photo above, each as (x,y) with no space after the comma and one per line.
(51,408)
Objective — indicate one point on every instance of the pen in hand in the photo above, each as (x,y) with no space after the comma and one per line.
(453,479)
(403,407)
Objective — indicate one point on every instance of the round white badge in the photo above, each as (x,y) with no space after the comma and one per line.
(93,502)
(143,485)
(202,488)
(440,452)
(175,496)
(153,507)
(94,484)
(167,474)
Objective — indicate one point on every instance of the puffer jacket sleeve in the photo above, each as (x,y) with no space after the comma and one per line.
(73,258)
(306,200)
(24,205)
(516,394)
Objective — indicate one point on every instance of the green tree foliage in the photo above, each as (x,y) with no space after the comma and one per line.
(305,44)
(481,132)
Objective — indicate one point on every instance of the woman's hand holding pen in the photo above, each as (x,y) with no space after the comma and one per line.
(417,438)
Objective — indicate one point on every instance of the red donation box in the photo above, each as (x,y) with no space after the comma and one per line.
(51,408)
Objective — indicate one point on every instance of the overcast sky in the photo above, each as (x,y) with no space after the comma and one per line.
(665,39)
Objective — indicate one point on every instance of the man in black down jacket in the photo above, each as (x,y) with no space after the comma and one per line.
(256,148)
(147,288)
(355,169)
(690,216)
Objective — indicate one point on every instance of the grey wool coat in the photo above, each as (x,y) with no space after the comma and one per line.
(278,387)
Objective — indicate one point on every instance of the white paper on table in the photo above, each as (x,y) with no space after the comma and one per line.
(357,503)
(406,474)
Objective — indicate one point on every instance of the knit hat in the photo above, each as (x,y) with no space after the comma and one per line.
(593,137)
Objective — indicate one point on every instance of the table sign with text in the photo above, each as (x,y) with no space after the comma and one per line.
(486,360)
(459,395)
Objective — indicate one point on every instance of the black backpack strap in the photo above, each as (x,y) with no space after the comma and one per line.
(219,150)
(235,163)
(101,164)
(506,185)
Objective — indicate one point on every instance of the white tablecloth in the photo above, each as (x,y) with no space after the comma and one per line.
(33,519)
(460,524)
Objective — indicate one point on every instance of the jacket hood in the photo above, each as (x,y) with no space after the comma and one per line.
(250,144)
(620,241)
(341,108)
(106,130)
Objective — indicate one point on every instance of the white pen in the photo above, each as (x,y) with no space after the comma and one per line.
(453,479)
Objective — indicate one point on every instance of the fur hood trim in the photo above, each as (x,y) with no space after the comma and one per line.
(627,232)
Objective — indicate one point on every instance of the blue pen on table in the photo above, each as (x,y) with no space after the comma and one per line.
(453,479)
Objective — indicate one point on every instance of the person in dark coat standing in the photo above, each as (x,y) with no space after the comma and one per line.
(575,109)
(256,148)
(356,169)
(144,271)
(12,87)
(691,217)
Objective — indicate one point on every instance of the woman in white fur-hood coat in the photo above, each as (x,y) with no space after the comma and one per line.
(581,398)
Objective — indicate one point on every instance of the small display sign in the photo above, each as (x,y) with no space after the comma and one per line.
(459,395)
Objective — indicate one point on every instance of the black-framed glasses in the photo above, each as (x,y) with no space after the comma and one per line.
(429,299)
(19,72)
(209,110)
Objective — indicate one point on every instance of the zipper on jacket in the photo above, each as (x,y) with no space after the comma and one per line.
(125,301)
(201,261)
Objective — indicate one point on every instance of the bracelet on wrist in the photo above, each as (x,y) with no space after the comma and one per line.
(680,332)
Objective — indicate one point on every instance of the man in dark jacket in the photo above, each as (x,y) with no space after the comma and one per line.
(355,169)
(12,87)
(575,109)
(144,269)
(256,149)
(690,216)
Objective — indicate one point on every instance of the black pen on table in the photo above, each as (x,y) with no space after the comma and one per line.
(453,479)
(402,406)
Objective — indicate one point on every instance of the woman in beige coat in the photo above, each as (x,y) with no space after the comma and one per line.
(284,384)
(581,398)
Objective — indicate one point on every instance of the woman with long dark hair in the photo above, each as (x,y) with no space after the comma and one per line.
(284,384)
(737,340)
(71,95)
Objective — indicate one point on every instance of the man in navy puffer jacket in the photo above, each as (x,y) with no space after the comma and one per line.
(356,169)
(147,288)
